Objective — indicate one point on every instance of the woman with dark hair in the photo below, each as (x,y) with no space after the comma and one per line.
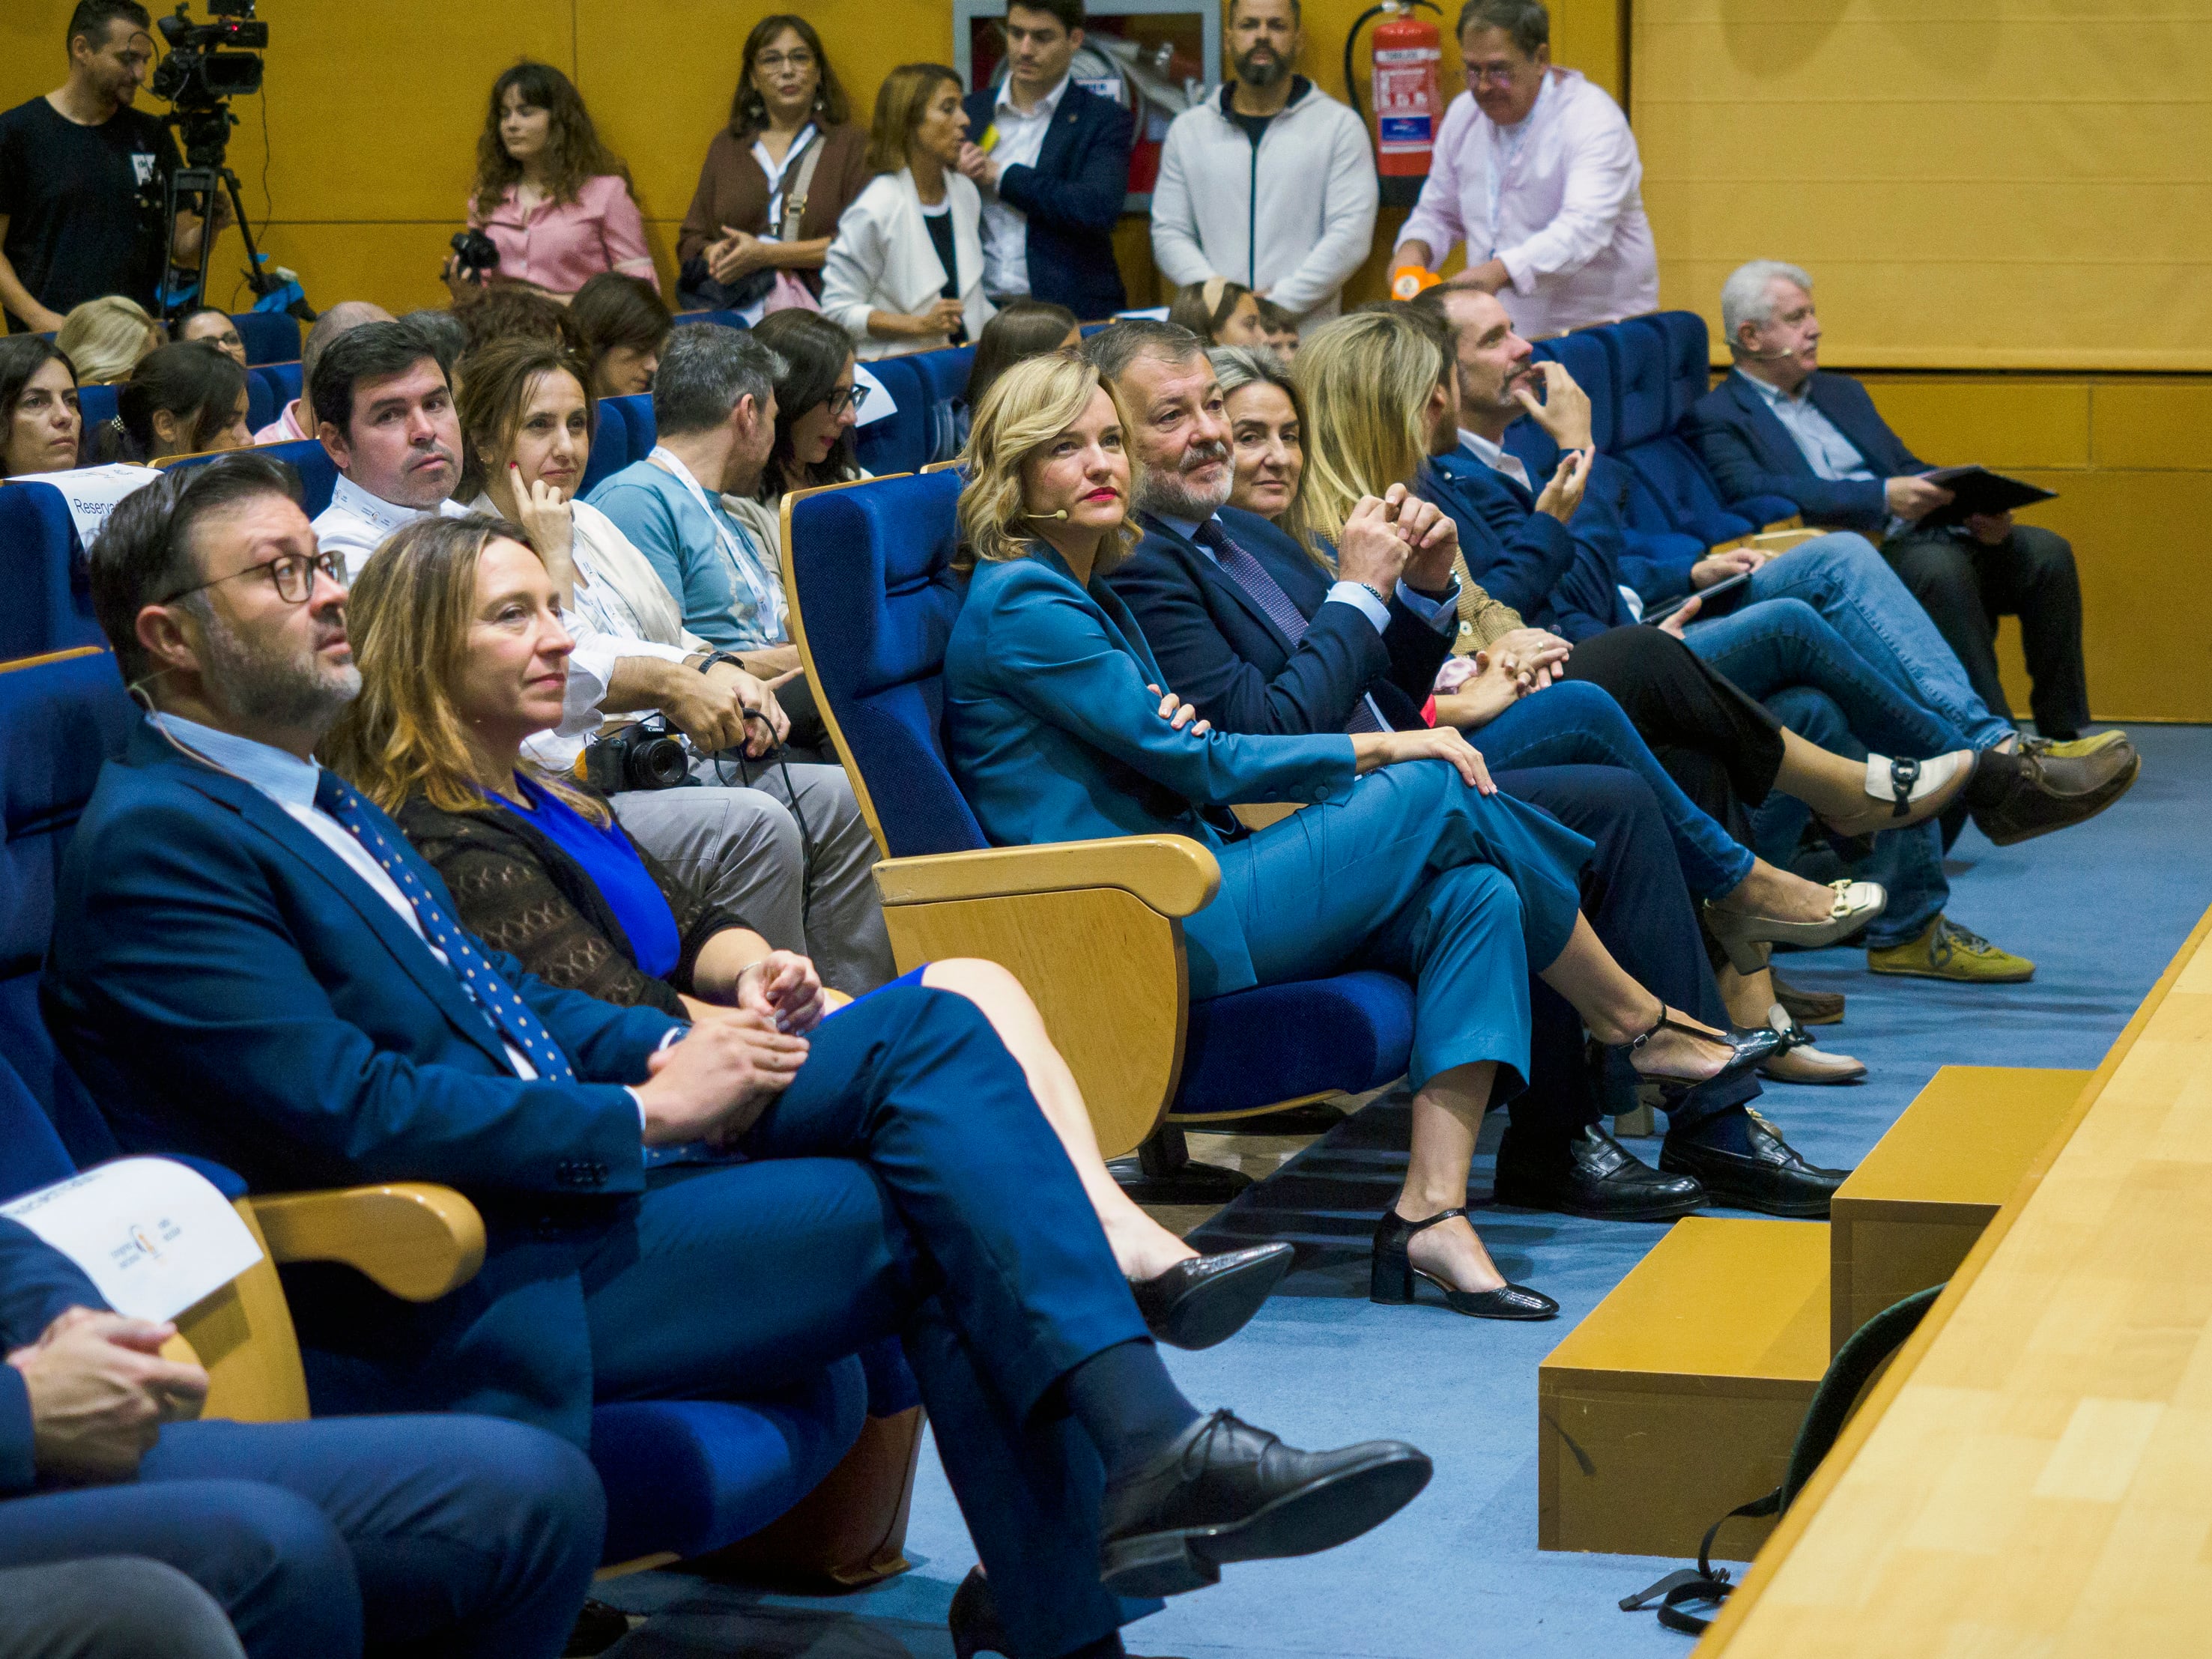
(216,328)
(817,404)
(184,400)
(777,178)
(1220,312)
(906,270)
(555,201)
(625,325)
(38,419)
(1023,328)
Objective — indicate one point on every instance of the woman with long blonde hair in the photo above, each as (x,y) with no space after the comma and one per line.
(1060,726)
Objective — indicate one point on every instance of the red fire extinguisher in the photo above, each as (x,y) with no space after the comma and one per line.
(1407,50)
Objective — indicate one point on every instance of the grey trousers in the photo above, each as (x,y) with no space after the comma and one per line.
(738,839)
(115,1607)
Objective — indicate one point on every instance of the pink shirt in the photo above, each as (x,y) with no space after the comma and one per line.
(284,429)
(561,245)
(1566,213)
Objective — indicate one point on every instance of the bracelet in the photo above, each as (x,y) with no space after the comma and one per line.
(729,657)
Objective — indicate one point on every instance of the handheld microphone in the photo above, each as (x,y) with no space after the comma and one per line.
(1062,513)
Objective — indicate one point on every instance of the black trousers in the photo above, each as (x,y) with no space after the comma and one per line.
(1716,741)
(1966,587)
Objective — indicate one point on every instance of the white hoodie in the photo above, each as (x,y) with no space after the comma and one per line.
(1294,215)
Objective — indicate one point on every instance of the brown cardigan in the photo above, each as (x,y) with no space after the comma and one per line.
(734,191)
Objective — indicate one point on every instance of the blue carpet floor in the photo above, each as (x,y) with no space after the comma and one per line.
(1458,1576)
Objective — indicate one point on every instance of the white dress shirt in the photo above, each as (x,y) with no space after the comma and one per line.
(1006,229)
(1558,199)
(1496,457)
(355,523)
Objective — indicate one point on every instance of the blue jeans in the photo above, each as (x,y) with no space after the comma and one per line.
(1908,862)
(1578,724)
(1843,578)
(1773,643)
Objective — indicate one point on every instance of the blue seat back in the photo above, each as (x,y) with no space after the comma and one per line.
(943,377)
(1584,356)
(284,379)
(47,604)
(873,582)
(270,337)
(262,403)
(899,442)
(1689,360)
(610,447)
(1636,353)
(722,318)
(636,411)
(58,721)
(319,476)
(96,405)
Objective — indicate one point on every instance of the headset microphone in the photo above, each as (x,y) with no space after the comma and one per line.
(1062,513)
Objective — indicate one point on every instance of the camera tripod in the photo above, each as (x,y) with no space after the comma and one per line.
(201,179)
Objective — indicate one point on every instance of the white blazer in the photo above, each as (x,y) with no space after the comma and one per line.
(882,259)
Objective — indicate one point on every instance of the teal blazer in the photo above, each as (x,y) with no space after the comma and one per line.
(1053,736)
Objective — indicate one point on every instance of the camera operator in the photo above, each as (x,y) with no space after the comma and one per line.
(83,175)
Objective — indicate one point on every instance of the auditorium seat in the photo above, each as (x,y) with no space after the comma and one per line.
(722,318)
(684,1478)
(319,475)
(611,445)
(95,406)
(262,403)
(270,337)
(48,605)
(899,442)
(284,380)
(1675,494)
(1092,928)
(943,377)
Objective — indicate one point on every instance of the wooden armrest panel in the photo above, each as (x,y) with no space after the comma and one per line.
(417,1241)
(1796,520)
(1173,874)
(1781,541)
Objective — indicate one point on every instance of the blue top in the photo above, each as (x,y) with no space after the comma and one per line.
(730,588)
(616,870)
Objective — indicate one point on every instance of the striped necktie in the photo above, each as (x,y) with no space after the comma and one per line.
(494,997)
(1264,591)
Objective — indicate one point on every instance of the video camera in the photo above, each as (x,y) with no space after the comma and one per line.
(207,64)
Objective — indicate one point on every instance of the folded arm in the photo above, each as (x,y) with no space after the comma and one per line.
(1090,199)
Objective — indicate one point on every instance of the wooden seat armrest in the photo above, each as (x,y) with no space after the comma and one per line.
(1173,874)
(417,1241)
(1781,541)
(1794,522)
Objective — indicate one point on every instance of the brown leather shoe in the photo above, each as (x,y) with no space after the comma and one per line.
(1809,1008)
(2016,798)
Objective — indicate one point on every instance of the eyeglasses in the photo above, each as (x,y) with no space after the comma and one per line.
(843,398)
(1490,75)
(294,575)
(772,61)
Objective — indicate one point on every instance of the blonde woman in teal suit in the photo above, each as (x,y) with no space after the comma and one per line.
(1060,726)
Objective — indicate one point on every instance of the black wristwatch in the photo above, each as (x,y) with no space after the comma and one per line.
(729,657)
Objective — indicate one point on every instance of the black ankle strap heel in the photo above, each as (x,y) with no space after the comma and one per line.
(1392,1275)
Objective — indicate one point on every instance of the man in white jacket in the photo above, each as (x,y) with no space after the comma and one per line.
(1269,183)
(1537,171)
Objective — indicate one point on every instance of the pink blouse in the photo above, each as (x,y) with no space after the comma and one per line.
(561,245)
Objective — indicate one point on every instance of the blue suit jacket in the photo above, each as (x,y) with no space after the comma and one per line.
(1053,736)
(1583,597)
(1516,553)
(1750,452)
(1221,652)
(1073,196)
(225,987)
(37,1284)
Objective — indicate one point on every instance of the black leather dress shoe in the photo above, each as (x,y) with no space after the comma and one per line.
(1223,1491)
(1590,1174)
(1206,1299)
(973,1622)
(1773,1177)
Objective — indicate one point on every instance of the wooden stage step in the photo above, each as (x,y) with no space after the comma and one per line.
(1679,1396)
(1915,1206)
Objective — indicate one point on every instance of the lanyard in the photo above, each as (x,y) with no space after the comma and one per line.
(768,605)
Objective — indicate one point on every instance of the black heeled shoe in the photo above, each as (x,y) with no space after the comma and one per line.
(1390,1280)
(1747,1050)
(974,1619)
(1208,1298)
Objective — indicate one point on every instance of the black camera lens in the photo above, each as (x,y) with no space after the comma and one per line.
(657,763)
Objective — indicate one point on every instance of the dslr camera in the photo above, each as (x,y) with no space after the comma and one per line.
(644,754)
(476,254)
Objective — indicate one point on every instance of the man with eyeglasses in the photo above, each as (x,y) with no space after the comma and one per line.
(1537,172)
(81,180)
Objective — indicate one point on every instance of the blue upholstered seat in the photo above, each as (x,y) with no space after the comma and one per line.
(943,377)
(270,337)
(46,604)
(873,582)
(1690,374)
(898,442)
(722,318)
(611,445)
(96,405)
(261,400)
(284,380)
(319,475)
(684,1476)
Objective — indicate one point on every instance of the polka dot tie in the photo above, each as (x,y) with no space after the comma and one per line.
(494,998)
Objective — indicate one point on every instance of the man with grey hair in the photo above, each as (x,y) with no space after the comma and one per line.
(297,419)
(1780,425)
(1536,171)
(788,850)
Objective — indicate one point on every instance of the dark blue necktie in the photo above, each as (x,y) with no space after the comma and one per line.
(494,997)
(1248,574)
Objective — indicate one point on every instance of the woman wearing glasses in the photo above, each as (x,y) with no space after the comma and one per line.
(777,178)
(819,400)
